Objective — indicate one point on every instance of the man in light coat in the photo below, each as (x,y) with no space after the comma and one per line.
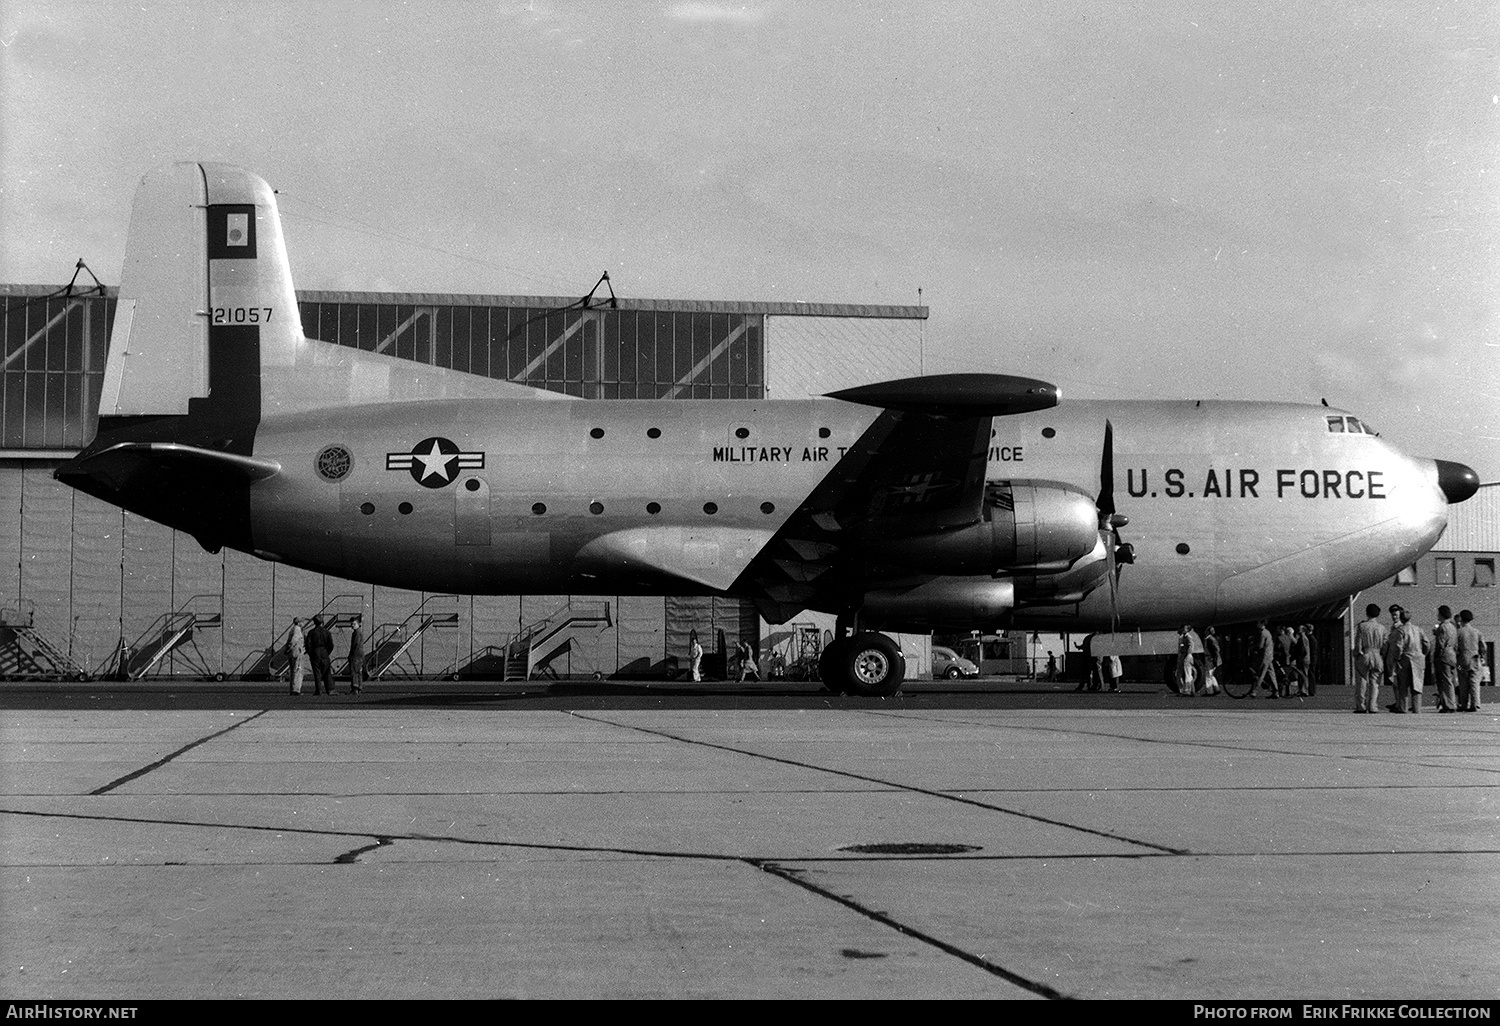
(1445,660)
(1369,660)
(296,653)
(1470,647)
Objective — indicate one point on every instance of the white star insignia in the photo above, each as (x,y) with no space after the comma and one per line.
(436,462)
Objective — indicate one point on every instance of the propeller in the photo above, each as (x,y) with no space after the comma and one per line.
(1117,552)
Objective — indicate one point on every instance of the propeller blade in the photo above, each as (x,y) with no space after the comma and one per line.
(1106,500)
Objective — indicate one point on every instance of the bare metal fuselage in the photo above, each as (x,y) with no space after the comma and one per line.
(1235,509)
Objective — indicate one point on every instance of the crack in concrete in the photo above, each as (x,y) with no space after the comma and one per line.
(127,778)
(897,785)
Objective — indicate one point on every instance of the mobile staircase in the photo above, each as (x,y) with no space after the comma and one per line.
(178,632)
(391,644)
(531,652)
(25,652)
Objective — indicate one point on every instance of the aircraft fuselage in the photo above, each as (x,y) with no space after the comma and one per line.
(1233,507)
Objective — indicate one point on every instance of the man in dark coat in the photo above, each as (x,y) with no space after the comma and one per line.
(320,654)
(356,654)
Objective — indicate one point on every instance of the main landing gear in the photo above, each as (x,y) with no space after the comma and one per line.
(867,664)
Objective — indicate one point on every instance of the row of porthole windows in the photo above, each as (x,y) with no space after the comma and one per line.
(995,433)
(739,432)
(596,508)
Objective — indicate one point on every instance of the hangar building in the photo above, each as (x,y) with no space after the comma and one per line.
(83,580)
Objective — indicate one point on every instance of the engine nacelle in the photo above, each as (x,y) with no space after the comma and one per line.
(1034,525)
(959,603)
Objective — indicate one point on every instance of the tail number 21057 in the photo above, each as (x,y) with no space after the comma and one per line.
(242,315)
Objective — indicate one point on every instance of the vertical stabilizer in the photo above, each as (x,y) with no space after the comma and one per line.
(206,296)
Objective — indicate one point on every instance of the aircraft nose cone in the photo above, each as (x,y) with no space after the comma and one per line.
(1457,481)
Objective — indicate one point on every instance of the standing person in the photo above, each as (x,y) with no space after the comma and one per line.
(356,654)
(746,652)
(1263,660)
(1185,661)
(1393,661)
(296,654)
(1116,672)
(320,652)
(1413,661)
(1445,660)
(695,655)
(1297,661)
(1213,658)
(1470,648)
(1311,641)
(1369,660)
(1283,660)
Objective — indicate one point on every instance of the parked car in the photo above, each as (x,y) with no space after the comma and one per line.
(948,663)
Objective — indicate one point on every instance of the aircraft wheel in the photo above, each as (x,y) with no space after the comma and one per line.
(832,668)
(1238,684)
(873,666)
(218,677)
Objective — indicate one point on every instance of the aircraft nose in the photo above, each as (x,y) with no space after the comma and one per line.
(1457,481)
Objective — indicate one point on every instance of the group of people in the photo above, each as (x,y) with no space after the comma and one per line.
(313,646)
(744,652)
(1400,654)
(1288,658)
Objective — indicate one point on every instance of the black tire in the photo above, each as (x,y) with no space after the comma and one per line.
(953,673)
(1238,683)
(831,669)
(219,677)
(872,665)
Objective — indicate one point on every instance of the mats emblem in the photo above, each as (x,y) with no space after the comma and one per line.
(434,462)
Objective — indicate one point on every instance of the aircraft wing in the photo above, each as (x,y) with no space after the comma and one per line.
(919,468)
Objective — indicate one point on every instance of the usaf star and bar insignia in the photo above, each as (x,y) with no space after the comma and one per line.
(434,462)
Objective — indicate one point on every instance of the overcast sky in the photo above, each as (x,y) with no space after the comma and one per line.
(1167,199)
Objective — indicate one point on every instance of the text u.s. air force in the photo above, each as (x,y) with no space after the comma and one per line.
(1140,482)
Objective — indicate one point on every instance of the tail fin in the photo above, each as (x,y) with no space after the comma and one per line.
(206,297)
(207,323)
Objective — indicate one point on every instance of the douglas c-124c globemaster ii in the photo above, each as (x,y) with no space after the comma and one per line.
(965,501)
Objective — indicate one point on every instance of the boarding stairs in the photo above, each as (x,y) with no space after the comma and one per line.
(27,654)
(531,652)
(177,632)
(392,645)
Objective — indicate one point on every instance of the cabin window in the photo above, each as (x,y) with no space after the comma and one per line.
(1484,573)
(1336,425)
(1445,571)
(1407,576)
(1355,427)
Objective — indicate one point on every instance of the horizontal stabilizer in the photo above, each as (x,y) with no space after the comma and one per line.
(956,395)
(111,465)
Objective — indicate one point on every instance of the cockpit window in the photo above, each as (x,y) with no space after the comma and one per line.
(1349,425)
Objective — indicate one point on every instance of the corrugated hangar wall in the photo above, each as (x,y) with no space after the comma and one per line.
(90,576)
